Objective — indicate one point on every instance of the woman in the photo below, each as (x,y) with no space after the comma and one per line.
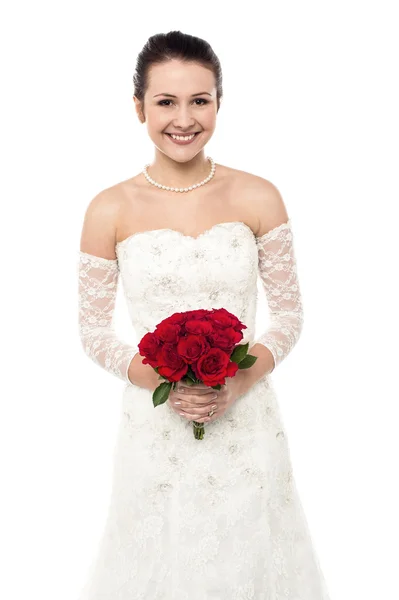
(218,518)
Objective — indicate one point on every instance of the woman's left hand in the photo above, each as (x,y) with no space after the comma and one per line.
(226,396)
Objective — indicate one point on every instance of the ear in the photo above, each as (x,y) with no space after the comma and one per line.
(139,109)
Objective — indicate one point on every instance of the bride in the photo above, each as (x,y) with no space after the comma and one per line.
(220,518)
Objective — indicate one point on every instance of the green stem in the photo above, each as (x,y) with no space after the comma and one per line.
(199,430)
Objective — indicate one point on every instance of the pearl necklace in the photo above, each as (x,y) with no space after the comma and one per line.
(187,189)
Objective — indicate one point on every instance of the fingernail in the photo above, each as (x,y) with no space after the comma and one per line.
(177,403)
(214,407)
(180,390)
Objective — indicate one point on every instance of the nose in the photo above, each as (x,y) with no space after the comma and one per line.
(183,119)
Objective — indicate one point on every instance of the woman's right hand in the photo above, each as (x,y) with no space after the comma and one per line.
(195,402)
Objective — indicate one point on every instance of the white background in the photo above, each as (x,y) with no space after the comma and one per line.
(310,103)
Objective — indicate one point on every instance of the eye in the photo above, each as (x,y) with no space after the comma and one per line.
(195,100)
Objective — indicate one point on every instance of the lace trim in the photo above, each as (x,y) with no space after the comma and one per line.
(184,235)
(99,259)
(273,233)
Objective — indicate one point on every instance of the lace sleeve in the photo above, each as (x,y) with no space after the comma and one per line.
(97,288)
(278,272)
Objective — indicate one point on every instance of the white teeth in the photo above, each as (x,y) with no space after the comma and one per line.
(185,138)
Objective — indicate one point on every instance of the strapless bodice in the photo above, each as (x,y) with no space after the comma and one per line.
(164,271)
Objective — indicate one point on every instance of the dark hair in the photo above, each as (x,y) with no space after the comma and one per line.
(162,47)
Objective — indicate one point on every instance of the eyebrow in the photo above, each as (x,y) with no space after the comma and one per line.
(172,96)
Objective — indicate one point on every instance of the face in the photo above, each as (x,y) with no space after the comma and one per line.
(181,98)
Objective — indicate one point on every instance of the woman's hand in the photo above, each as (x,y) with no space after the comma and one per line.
(195,401)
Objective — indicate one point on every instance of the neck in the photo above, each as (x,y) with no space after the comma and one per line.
(172,173)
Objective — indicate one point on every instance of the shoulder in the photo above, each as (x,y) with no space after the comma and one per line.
(99,225)
(103,208)
(109,201)
(263,199)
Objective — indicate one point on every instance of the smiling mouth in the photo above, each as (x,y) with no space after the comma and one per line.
(184,142)
(184,134)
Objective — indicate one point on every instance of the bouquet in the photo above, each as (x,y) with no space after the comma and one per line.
(196,346)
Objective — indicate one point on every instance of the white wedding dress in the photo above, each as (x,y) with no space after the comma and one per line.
(211,519)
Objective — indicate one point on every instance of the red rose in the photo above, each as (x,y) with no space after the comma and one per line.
(176,318)
(225,339)
(199,313)
(170,364)
(223,319)
(191,347)
(213,367)
(168,332)
(180,318)
(200,326)
(149,346)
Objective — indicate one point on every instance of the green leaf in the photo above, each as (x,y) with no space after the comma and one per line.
(239,353)
(248,361)
(161,393)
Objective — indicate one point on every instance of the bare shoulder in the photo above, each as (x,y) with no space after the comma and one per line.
(100,222)
(263,199)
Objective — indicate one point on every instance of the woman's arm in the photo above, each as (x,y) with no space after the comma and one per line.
(98,278)
(278,271)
